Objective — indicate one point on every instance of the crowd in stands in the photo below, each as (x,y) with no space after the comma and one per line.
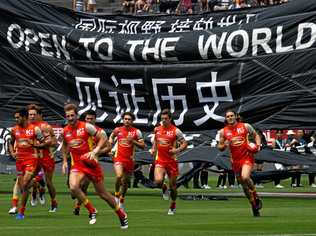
(175,6)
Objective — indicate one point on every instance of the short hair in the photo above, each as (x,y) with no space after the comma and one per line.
(90,112)
(127,113)
(71,107)
(22,111)
(166,112)
(35,107)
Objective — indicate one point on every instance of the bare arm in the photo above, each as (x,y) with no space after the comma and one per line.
(64,150)
(221,145)
(11,146)
(255,135)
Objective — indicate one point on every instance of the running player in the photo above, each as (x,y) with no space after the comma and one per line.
(235,136)
(127,138)
(46,159)
(27,138)
(78,141)
(90,116)
(168,142)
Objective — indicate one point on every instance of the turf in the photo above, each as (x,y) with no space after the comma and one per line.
(148,215)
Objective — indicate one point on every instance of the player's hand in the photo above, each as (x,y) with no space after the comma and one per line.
(64,168)
(152,152)
(13,155)
(130,139)
(174,151)
(92,155)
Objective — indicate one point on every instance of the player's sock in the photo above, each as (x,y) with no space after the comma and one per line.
(120,212)
(15,201)
(54,203)
(22,210)
(89,206)
(173,205)
(122,199)
(78,204)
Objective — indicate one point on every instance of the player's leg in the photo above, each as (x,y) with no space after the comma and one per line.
(173,194)
(119,172)
(125,180)
(84,187)
(15,197)
(49,173)
(160,173)
(75,180)
(26,183)
(109,198)
(249,188)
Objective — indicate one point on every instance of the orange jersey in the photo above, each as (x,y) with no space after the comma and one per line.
(24,140)
(237,135)
(126,149)
(78,139)
(46,152)
(166,138)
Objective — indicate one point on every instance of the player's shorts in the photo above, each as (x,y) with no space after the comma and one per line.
(94,174)
(238,164)
(92,2)
(19,169)
(171,167)
(128,165)
(28,165)
(47,163)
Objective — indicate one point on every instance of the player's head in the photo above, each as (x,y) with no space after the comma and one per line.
(20,116)
(128,118)
(166,117)
(231,117)
(71,113)
(90,116)
(34,112)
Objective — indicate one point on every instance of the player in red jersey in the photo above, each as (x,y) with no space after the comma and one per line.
(127,138)
(26,138)
(90,117)
(168,142)
(78,141)
(46,159)
(235,136)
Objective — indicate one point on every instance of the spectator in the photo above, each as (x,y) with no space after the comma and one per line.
(203,5)
(238,4)
(278,143)
(184,7)
(84,5)
(128,6)
(141,6)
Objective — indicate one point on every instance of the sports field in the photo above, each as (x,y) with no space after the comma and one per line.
(148,214)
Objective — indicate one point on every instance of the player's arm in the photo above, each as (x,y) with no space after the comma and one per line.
(112,137)
(255,135)
(52,135)
(107,146)
(139,142)
(153,149)
(64,151)
(11,146)
(221,145)
(43,141)
(183,144)
(101,140)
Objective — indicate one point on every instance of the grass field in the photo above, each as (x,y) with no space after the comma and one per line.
(148,215)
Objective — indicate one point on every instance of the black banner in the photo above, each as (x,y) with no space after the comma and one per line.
(260,62)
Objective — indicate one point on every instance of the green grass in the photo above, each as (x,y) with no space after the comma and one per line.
(147,215)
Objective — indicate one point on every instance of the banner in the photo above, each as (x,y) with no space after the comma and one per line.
(260,62)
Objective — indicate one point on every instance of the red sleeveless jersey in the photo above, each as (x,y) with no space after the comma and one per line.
(24,140)
(166,139)
(124,148)
(78,140)
(237,135)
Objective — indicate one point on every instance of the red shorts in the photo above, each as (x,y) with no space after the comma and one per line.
(171,168)
(94,174)
(238,164)
(29,165)
(18,165)
(47,163)
(128,165)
